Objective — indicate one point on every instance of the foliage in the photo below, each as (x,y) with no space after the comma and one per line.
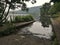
(55,42)
(45,8)
(12,5)
(10,28)
(1,10)
(44,18)
(55,1)
(54,39)
(55,8)
(23,18)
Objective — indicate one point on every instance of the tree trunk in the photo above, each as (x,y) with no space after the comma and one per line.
(2,15)
(5,15)
(4,11)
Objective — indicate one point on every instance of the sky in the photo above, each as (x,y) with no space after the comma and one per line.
(38,3)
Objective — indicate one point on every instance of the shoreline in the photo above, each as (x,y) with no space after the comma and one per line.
(13,29)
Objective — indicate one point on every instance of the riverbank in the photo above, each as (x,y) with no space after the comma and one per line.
(17,39)
(23,40)
(56,26)
(12,28)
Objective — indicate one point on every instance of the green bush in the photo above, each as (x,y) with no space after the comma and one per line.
(55,42)
(9,30)
(55,8)
(23,18)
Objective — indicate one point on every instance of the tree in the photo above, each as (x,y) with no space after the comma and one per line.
(1,11)
(45,8)
(12,4)
(44,18)
(55,8)
(55,1)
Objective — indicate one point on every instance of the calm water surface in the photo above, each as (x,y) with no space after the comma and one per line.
(38,30)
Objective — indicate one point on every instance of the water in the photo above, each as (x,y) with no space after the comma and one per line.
(38,30)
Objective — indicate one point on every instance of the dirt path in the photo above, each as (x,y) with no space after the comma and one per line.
(56,25)
(17,39)
(23,40)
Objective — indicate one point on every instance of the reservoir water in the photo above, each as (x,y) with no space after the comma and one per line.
(36,29)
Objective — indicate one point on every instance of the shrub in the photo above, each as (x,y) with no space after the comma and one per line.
(23,18)
(9,30)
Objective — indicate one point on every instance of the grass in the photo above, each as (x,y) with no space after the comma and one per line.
(7,30)
(55,42)
(22,19)
(57,19)
(54,39)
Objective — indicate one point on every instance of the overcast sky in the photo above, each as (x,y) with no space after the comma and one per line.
(38,3)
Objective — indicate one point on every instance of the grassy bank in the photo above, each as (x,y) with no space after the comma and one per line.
(18,19)
(56,24)
(9,28)
(57,17)
(57,30)
(54,39)
(12,28)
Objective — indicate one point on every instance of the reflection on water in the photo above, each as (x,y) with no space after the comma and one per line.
(36,28)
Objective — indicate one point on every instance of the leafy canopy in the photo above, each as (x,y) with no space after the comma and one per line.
(55,8)
(12,4)
(55,1)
